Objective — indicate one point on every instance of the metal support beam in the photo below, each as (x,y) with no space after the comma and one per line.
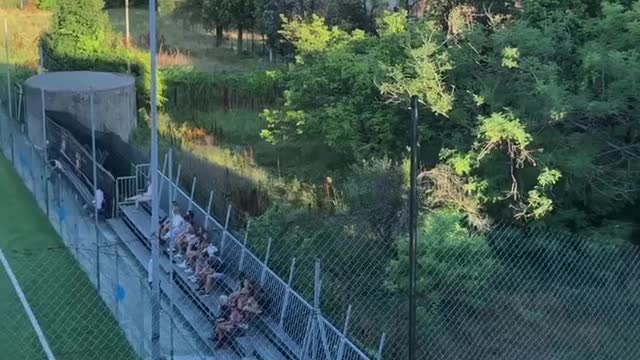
(287,294)
(206,218)
(6,42)
(413,228)
(95,182)
(172,245)
(177,182)
(343,335)
(193,189)
(244,246)
(381,346)
(226,227)
(265,264)
(155,205)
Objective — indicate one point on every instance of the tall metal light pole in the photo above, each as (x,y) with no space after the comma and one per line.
(413,227)
(155,204)
(6,42)
(127,34)
(95,184)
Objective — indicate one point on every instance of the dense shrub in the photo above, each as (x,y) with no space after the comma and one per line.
(108,60)
(46,4)
(190,90)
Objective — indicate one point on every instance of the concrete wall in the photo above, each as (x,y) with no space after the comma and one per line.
(114,109)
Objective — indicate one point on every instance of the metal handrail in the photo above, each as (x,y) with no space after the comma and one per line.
(228,235)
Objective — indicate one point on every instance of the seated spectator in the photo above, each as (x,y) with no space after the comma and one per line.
(189,217)
(200,267)
(243,311)
(183,241)
(174,229)
(165,220)
(193,252)
(210,276)
(144,197)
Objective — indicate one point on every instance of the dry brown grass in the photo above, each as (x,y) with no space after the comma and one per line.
(174,58)
(192,41)
(25,28)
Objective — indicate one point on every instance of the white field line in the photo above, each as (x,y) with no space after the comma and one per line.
(27,308)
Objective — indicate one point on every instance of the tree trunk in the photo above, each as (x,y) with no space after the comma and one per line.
(418,9)
(239,39)
(219,35)
(253,41)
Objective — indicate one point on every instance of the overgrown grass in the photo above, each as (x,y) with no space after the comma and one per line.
(9,4)
(192,41)
(238,133)
(25,28)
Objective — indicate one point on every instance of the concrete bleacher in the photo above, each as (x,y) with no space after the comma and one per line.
(263,340)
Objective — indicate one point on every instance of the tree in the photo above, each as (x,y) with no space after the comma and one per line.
(331,90)
(79,27)
(242,13)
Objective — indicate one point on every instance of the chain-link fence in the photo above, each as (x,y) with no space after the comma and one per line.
(87,292)
(328,284)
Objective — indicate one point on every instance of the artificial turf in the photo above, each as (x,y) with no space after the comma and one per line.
(73,317)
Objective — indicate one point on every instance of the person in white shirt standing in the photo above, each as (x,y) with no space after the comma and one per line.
(97,202)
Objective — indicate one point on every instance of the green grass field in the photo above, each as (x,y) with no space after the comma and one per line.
(73,317)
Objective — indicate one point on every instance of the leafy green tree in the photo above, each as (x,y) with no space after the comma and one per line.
(79,27)
(331,90)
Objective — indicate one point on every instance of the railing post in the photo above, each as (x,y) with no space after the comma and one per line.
(206,218)
(287,293)
(265,264)
(13,158)
(318,317)
(6,40)
(381,346)
(193,189)
(177,184)
(307,334)
(244,246)
(225,230)
(343,335)
(116,206)
(164,169)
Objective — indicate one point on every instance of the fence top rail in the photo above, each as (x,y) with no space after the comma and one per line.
(295,294)
(84,151)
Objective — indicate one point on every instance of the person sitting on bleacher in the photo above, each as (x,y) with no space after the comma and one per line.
(164,222)
(144,197)
(244,308)
(210,276)
(176,228)
(193,251)
(200,267)
(183,241)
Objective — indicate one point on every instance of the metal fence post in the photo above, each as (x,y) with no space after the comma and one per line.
(287,294)
(343,335)
(172,247)
(382,341)
(95,184)
(226,229)
(265,264)
(6,41)
(177,184)
(244,246)
(13,159)
(193,189)
(206,218)
(117,283)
